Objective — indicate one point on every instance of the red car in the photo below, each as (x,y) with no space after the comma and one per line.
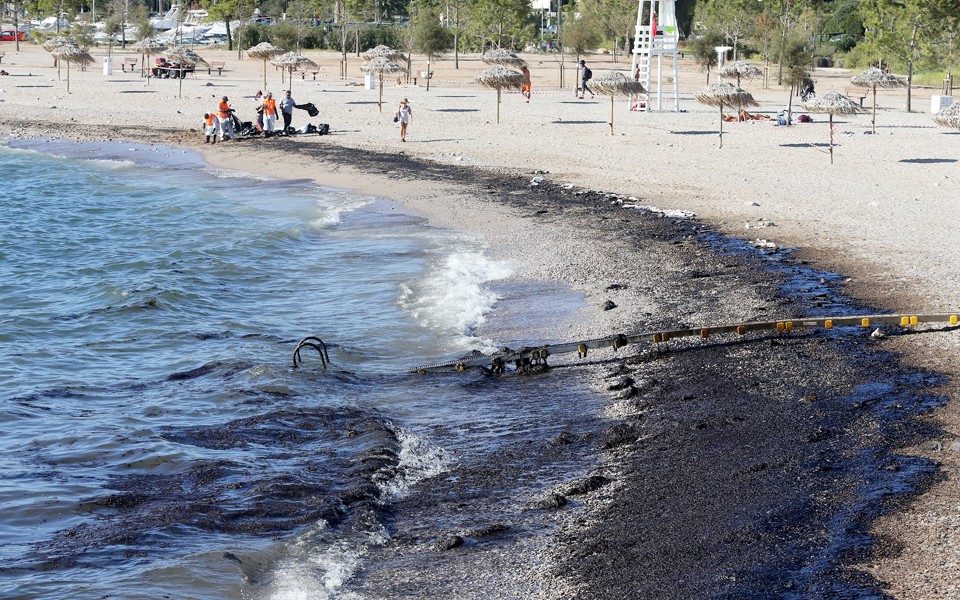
(12,36)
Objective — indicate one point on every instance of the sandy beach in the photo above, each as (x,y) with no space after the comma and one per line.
(881,215)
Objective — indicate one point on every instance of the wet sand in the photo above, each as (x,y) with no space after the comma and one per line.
(876,216)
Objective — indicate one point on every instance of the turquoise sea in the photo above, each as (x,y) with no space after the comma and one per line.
(157,441)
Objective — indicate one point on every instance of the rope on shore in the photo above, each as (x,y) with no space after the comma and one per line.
(527,356)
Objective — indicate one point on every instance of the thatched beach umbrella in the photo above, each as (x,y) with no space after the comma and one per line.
(615,83)
(833,103)
(738,69)
(503,57)
(386,52)
(949,116)
(381,66)
(184,56)
(150,46)
(265,51)
(721,93)
(72,54)
(500,77)
(54,43)
(293,61)
(873,78)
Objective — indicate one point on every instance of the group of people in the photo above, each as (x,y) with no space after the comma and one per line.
(220,122)
(268,109)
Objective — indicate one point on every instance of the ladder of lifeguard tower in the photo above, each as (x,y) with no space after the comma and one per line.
(648,44)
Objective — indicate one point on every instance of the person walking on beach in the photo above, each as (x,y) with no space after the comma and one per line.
(525,90)
(269,112)
(404,114)
(210,127)
(225,119)
(286,106)
(585,75)
(259,100)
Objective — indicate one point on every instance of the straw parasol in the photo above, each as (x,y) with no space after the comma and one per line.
(386,52)
(949,116)
(873,78)
(381,66)
(833,103)
(500,77)
(738,69)
(54,43)
(293,61)
(149,46)
(503,57)
(265,51)
(721,93)
(615,83)
(70,53)
(184,56)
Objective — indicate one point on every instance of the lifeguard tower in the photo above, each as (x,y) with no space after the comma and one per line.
(656,35)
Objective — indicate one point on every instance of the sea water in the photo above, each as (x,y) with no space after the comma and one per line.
(156,439)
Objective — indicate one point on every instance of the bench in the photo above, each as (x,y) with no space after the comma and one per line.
(1,56)
(218,65)
(856,92)
(129,61)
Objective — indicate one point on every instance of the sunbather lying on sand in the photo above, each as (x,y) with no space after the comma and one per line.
(745,116)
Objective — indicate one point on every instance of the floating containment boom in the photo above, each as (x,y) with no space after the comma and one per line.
(531,355)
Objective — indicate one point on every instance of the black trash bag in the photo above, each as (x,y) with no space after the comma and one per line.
(309,107)
(323,129)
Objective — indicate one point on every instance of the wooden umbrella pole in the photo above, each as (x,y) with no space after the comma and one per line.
(831,138)
(873,121)
(611,115)
(498,104)
(380,102)
(721,123)
(264,74)
(181,80)
(68,77)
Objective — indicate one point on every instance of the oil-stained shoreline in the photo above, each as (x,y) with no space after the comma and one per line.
(736,469)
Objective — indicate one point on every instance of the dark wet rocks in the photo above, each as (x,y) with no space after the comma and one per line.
(608,305)
(550,502)
(448,543)
(617,435)
(585,485)
(621,382)
(488,531)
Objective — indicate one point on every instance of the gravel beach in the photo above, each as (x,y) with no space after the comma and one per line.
(880,218)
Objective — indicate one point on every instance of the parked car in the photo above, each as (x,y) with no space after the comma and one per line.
(12,36)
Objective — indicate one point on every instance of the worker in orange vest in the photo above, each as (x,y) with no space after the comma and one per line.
(225,119)
(269,112)
(210,127)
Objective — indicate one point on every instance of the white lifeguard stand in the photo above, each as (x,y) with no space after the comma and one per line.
(656,35)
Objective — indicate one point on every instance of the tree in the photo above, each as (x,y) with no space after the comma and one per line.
(228,10)
(795,56)
(765,34)
(580,34)
(905,28)
(82,32)
(58,8)
(703,49)
(111,27)
(735,18)
(613,18)
(494,20)
(121,10)
(430,37)
(945,48)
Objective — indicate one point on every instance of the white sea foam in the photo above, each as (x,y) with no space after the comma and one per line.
(418,460)
(453,296)
(318,566)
